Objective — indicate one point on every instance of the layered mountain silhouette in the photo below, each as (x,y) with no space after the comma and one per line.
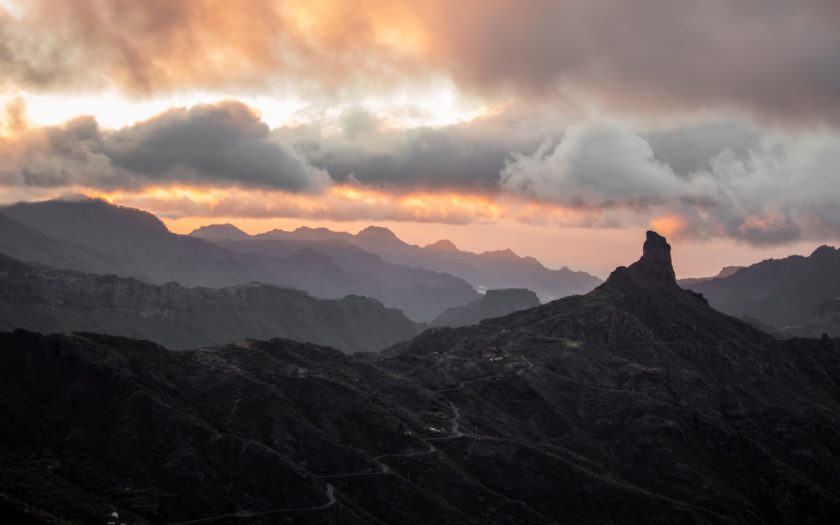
(487,270)
(726,271)
(94,236)
(48,300)
(635,403)
(794,295)
(494,303)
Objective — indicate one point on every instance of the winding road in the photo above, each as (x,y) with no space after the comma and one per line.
(454,431)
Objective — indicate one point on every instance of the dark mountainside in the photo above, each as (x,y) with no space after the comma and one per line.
(636,403)
(495,303)
(48,301)
(494,269)
(147,250)
(789,294)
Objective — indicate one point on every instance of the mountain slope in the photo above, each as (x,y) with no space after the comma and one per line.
(30,245)
(47,300)
(641,302)
(639,405)
(494,303)
(783,293)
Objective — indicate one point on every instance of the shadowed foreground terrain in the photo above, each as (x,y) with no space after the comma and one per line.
(636,403)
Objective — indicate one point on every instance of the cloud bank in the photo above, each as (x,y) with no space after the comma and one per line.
(777,191)
(209,145)
(773,58)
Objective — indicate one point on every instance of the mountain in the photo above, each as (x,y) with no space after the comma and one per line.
(488,270)
(495,303)
(416,291)
(27,244)
(219,232)
(146,249)
(149,250)
(825,321)
(636,403)
(783,293)
(47,300)
(726,271)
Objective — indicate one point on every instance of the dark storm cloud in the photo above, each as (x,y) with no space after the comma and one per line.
(207,145)
(777,58)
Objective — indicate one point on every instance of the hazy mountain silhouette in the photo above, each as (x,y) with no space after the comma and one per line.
(146,249)
(726,271)
(495,303)
(412,289)
(487,270)
(28,244)
(784,293)
(47,300)
(636,403)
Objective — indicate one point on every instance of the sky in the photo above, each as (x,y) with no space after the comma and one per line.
(562,130)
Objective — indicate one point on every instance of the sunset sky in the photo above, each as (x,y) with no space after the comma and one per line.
(560,129)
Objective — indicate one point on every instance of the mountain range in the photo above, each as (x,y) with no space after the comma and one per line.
(634,403)
(46,300)
(487,270)
(794,295)
(94,236)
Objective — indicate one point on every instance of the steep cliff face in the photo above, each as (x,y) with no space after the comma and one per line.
(656,259)
(50,301)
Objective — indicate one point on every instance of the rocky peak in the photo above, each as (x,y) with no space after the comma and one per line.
(443,245)
(377,232)
(824,251)
(219,232)
(656,259)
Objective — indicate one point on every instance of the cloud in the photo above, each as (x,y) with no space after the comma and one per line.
(359,147)
(702,180)
(774,58)
(780,190)
(220,145)
(594,165)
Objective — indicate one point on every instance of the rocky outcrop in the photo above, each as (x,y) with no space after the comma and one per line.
(656,259)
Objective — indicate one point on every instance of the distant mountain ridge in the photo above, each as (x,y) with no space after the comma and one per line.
(497,269)
(47,300)
(726,271)
(134,243)
(784,293)
(494,303)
